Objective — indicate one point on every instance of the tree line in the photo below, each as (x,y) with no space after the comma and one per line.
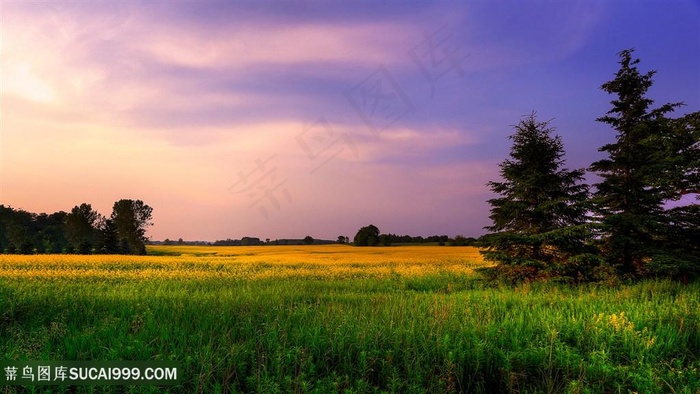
(371,236)
(547,222)
(82,230)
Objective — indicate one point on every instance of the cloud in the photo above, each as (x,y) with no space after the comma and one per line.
(139,70)
(245,47)
(413,146)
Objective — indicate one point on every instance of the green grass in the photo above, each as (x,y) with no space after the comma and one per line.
(436,334)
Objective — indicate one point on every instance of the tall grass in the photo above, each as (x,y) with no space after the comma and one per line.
(442,332)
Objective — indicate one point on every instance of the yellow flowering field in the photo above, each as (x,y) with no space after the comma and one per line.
(249,262)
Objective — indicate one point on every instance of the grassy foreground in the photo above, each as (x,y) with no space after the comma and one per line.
(342,319)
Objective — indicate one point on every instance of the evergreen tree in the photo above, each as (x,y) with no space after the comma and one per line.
(678,161)
(676,155)
(540,219)
(109,238)
(649,163)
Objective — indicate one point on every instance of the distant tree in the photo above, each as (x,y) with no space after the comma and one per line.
(341,239)
(461,240)
(308,240)
(81,228)
(250,241)
(404,239)
(384,240)
(538,220)
(18,230)
(109,237)
(440,239)
(51,235)
(37,232)
(5,217)
(367,236)
(180,241)
(131,218)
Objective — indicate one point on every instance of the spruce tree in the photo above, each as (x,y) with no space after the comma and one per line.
(109,237)
(539,221)
(643,171)
(678,162)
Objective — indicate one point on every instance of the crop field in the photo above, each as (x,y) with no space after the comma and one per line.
(249,263)
(341,319)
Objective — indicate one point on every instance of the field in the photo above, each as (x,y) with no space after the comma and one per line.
(335,318)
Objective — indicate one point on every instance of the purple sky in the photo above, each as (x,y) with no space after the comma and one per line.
(286,119)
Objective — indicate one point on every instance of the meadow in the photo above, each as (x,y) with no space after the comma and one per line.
(340,319)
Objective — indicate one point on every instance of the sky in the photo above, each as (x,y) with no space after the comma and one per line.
(286,119)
